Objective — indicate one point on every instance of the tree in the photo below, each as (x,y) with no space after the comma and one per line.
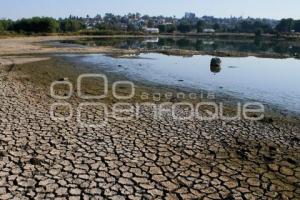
(184,27)
(167,28)
(251,26)
(296,25)
(71,25)
(216,26)
(36,25)
(132,28)
(5,25)
(150,24)
(200,26)
(258,33)
(245,26)
(285,25)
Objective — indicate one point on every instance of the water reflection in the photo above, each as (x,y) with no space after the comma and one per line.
(215,69)
(256,45)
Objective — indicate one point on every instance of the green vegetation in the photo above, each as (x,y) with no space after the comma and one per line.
(253,27)
(71,25)
(38,25)
(288,25)
(285,25)
(167,28)
(135,23)
(258,33)
(200,26)
(185,27)
(4,25)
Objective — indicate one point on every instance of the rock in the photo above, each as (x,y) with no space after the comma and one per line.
(215,62)
(215,65)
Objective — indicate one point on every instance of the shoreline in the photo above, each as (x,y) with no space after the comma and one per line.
(40,52)
(44,72)
(41,45)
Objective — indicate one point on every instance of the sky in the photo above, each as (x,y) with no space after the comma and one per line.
(276,9)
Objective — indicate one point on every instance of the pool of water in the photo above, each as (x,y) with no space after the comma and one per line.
(273,81)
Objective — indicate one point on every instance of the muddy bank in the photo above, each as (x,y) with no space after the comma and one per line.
(45,72)
(17,60)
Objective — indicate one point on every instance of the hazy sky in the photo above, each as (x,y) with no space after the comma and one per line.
(223,8)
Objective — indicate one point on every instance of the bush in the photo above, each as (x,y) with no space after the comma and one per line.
(5,25)
(184,27)
(167,28)
(71,25)
(36,25)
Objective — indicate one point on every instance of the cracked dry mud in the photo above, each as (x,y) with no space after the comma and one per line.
(144,159)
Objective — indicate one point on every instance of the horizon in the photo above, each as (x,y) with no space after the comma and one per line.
(14,10)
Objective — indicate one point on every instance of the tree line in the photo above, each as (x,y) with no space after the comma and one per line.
(113,23)
(244,26)
(41,25)
(288,25)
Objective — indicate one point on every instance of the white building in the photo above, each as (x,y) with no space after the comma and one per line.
(209,30)
(151,30)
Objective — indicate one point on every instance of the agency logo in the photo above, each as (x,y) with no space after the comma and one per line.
(92,112)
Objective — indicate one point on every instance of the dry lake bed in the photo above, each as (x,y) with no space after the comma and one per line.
(147,157)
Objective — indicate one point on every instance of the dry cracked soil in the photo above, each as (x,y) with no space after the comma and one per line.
(143,159)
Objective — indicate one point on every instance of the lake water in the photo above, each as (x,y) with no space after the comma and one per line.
(276,47)
(272,81)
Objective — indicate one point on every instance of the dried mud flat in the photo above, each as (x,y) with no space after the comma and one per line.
(20,46)
(145,159)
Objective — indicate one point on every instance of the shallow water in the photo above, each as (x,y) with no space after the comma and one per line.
(275,47)
(273,81)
